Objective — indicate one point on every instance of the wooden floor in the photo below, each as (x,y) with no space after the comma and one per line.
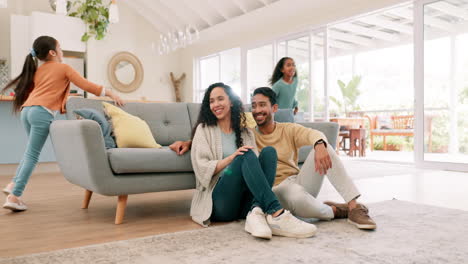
(55,221)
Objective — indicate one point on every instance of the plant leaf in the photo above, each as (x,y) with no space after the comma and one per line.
(95,15)
(85,37)
(341,84)
(336,101)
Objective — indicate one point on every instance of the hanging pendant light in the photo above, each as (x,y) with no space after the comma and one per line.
(3,3)
(177,39)
(113,13)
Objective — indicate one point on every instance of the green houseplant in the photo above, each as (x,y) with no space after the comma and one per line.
(350,93)
(95,14)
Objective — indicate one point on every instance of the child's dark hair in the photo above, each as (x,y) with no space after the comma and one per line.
(268,92)
(25,81)
(277,74)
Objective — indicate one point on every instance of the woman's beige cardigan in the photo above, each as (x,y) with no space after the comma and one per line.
(206,152)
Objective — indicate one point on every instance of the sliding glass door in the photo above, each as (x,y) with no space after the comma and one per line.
(259,68)
(442,83)
(307,50)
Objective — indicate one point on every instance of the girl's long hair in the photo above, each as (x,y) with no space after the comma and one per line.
(25,81)
(277,74)
(207,118)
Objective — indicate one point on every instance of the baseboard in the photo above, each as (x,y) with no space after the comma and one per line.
(42,167)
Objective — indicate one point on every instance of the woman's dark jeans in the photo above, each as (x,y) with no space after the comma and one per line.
(246,183)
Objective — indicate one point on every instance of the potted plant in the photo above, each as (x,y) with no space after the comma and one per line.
(95,14)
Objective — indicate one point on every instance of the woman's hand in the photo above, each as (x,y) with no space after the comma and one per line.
(114,97)
(240,151)
(226,161)
(180,147)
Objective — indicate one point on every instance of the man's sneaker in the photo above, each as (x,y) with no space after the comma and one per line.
(342,209)
(256,224)
(289,226)
(15,207)
(359,217)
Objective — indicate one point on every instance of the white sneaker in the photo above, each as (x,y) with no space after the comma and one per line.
(6,190)
(256,224)
(289,226)
(15,207)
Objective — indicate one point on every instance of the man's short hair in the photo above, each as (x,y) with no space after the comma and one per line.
(268,92)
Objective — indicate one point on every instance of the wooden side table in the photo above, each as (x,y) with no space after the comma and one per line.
(342,136)
(348,122)
(357,142)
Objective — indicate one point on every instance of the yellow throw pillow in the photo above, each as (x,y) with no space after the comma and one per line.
(130,131)
(249,119)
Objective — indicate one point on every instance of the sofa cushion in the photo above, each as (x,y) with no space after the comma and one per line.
(249,120)
(92,114)
(74,103)
(144,160)
(330,129)
(384,122)
(284,116)
(129,130)
(303,153)
(194,111)
(168,122)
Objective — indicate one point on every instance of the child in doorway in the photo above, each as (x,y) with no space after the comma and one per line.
(40,93)
(284,82)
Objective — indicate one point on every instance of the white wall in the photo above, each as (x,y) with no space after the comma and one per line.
(18,7)
(132,33)
(265,24)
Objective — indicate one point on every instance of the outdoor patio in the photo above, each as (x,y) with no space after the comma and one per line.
(404,156)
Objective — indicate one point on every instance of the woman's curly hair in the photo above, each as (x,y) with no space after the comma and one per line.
(207,118)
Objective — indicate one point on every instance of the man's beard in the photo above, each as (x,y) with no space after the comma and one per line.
(266,121)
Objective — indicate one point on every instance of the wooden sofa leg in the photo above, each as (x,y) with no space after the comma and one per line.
(121,205)
(86,199)
(371,143)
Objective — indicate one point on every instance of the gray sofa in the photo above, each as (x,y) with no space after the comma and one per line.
(84,160)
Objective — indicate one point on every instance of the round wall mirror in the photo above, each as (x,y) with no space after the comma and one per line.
(125,72)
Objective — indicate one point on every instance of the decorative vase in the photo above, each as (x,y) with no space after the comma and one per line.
(53,4)
(4,77)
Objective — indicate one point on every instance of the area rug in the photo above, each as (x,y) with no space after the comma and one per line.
(407,233)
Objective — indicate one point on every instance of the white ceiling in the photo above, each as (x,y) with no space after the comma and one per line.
(395,26)
(382,29)
(170,15)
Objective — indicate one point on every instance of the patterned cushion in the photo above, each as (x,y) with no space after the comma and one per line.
(384,122)
(89,113)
